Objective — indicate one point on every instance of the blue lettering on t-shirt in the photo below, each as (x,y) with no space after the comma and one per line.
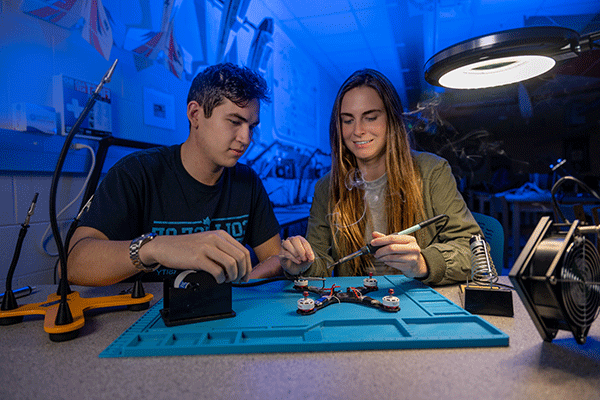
(235,226)
(166,271)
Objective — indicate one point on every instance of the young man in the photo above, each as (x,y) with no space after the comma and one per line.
(189,206)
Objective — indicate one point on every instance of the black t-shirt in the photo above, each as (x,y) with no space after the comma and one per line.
(150,191)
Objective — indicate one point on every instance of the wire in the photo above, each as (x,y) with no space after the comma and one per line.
(503,285)
(446,218)
(276,278)
(333,289)
(44,240)
(558,184)
(261,282)
(70,233)
(356,292)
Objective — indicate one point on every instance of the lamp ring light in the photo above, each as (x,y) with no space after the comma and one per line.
(504,57)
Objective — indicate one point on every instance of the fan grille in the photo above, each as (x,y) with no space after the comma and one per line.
(581,267)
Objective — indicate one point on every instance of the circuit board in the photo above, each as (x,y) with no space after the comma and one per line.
(266,321)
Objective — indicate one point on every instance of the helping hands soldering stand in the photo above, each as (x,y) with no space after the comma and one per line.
(9,301)
(64,310)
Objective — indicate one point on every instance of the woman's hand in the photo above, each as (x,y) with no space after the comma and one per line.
(296,255)
(402,253)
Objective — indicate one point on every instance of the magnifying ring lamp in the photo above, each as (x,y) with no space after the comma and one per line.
(505,57)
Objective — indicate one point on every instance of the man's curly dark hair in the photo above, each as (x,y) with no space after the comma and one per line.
(238,84)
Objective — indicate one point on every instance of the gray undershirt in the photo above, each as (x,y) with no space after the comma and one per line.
(377,218)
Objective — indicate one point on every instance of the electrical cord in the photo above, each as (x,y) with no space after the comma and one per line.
(276,278)
(70,233)
(260,282)
(558,184)
(437,233)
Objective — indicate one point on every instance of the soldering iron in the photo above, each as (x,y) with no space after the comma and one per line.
(370,249)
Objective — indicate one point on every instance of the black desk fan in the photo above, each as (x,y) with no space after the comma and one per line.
(64,310)
(557,274)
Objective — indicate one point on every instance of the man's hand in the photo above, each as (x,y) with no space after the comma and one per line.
(215,252)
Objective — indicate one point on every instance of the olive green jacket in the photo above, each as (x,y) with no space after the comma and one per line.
(448,258)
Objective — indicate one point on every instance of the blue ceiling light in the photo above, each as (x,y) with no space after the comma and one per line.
(505,57)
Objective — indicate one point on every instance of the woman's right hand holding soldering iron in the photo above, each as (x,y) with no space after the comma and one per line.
(400,252)
(296,255)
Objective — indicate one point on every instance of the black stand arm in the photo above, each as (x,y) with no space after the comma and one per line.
(64,316)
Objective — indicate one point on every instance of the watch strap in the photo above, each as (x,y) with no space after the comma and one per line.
(134,252)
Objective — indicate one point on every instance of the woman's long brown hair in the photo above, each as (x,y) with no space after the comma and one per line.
(403,199)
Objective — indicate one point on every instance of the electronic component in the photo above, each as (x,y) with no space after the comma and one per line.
(391,302)
(307,306)
(370,281)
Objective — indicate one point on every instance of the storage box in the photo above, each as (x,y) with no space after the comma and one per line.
(27,117)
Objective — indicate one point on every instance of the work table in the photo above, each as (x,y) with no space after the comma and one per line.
(35,367)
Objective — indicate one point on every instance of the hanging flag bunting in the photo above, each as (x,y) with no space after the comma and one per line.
(232,19)
(89,15)
(160,45)
(64,13)
(262,46)
(96,29)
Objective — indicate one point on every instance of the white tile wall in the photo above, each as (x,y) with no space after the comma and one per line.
(7,201)
(35,265)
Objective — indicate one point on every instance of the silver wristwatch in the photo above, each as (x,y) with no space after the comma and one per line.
(134,252)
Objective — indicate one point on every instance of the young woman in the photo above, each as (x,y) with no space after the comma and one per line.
(378,186)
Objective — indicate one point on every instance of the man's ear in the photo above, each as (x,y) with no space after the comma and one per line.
(193,113)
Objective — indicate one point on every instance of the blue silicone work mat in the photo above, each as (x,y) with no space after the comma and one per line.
(266,321)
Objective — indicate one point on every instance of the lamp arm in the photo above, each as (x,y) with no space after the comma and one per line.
(587,42)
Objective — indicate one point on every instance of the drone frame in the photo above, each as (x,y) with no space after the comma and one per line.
(356,295)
